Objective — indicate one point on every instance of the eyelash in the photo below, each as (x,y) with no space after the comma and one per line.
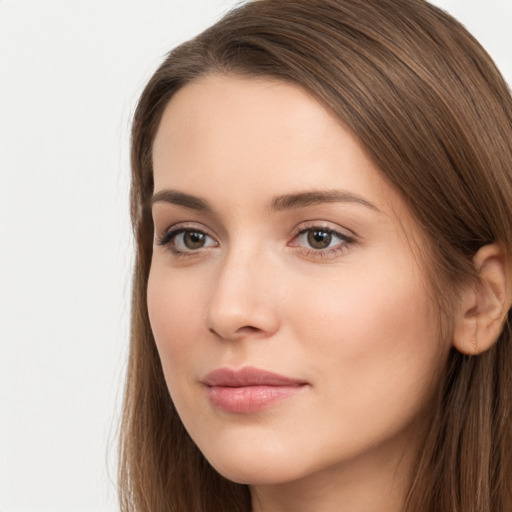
(169,237)
(343,245)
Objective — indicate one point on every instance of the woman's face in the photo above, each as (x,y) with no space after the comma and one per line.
(286,298)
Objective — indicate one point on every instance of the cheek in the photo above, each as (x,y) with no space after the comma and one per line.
(374,333)
(381,307)
(176,317)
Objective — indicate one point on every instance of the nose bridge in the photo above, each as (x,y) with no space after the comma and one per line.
(240,301)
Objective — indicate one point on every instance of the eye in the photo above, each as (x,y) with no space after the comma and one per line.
(321,241)
(186,241)
(191,240)
(319,238)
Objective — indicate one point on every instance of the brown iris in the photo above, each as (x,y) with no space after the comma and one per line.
(319,239)
(194,239)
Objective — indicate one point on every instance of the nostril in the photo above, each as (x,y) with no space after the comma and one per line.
(241,331)
(248,329)
(214,332)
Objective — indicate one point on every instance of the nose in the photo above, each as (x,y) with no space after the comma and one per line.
(243,299)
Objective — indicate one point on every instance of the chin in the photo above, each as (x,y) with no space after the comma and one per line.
(258,467)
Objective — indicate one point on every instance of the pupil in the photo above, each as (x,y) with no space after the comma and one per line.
(319,239)
(193,239)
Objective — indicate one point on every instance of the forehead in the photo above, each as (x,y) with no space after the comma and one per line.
(255,137)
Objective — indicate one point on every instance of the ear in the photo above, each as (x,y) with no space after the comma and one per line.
(484,303)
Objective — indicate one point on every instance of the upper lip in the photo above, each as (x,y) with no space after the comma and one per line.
(248,376)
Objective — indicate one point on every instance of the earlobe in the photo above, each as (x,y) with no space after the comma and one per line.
(484,303)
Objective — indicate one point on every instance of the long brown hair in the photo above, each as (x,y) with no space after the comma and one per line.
(432,110)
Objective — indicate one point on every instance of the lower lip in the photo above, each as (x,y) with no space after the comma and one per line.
(247,399)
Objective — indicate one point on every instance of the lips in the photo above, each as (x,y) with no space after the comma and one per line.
(249,389)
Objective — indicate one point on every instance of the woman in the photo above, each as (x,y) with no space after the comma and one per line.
(321,199)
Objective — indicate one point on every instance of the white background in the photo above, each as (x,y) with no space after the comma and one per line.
(70,74)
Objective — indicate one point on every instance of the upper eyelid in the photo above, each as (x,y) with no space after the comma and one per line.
(300,228)
(319,228)
(344,239)
(327,225)
(176,229)
(186,226)
(167,241)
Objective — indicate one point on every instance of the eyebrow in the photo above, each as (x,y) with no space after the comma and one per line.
(180,199)
(279,203)
(303,199)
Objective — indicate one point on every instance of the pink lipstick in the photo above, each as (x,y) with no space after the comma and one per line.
(248,389)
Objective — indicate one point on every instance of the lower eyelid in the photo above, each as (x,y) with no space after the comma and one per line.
(168,242)
(173,231)
(342,243)
(330,252)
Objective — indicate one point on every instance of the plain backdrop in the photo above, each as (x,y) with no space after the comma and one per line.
(70,75)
